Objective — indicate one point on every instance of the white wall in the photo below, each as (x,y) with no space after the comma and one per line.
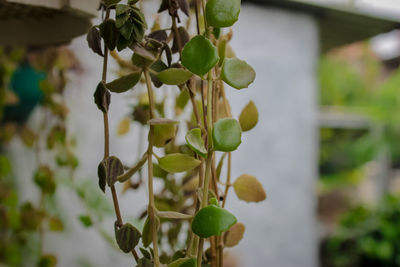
(281,151)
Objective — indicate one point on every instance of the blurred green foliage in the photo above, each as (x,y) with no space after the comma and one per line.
(357,85)
(366,237)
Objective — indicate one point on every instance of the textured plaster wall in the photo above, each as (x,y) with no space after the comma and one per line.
(281,151)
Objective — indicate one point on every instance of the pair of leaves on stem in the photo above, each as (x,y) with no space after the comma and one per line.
(199,56)
(108,171)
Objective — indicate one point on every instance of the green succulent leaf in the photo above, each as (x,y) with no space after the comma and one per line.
(109,32)
(145,262)
(124,83)
(222,13)
(94,40)
(249,189)
(248,117)
(127,237)
(211,221)
(226,135)
(177,162)
(85,220)
(199,55)
(237,73)
(174,76)
(147,234)
(196,142)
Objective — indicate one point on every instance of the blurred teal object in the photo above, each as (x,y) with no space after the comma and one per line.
(25,84)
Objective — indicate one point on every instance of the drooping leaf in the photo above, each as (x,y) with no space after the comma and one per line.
(196,142)
(108,171)
(158,172)
(126,30)
(159,35)
(102,175)
(124,83)
(121,18)
(249,189)
(145,253)
(145,262)
(124,126)
(237,73)
(248,117)
(234,235)
(226,135)
(102,97)
(122,43)
(222,13)
(183,39)
(174,76)
(44,179)
(181,101)
(157,66)
(147,234)
(196,62)
(184,6)
(211,221)
(177,162)
(109,32)
(163,134)
(127,237)
(94,40)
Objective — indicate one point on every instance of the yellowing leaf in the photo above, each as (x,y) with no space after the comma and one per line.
(249,189)
(248,117)
(124,126)
(234,235)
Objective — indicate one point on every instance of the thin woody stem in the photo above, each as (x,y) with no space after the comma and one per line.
(151,209)
(107,141)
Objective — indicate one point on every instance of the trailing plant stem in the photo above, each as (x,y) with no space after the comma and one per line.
(152,208)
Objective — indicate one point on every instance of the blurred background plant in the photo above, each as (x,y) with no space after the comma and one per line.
(359,155)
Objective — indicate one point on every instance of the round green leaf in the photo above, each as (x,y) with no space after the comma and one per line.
(124,83)
(196,142)
(177,162)
(222,13)
(44,179)
(237,73)
(226,135)
(199,55)
(174,76)
(248,117)
(212,220)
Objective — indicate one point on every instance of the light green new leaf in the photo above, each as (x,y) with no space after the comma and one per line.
(196,142)
(177,162)
(237,73)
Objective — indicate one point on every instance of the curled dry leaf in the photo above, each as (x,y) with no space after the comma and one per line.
(249,189)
